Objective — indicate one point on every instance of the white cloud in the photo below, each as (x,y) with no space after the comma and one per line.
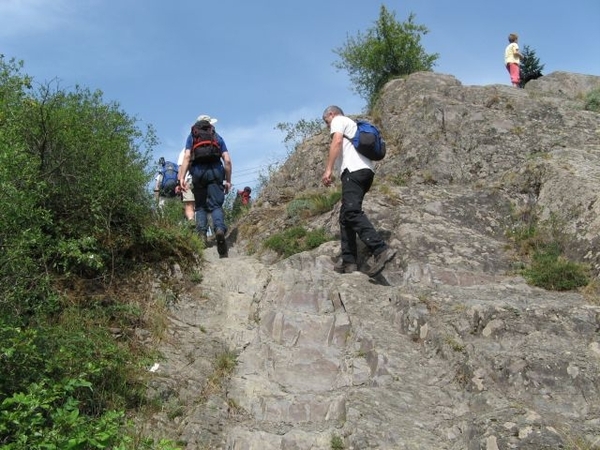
(26,17)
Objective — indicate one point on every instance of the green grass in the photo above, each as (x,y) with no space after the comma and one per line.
(540,245)
(550,270)
(592,101)
(313,204)
(337,443)
(224,365)
(297,239)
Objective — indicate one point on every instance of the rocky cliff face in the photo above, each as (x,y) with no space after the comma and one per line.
(448,348)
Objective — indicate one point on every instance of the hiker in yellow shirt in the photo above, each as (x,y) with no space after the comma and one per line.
(512,59)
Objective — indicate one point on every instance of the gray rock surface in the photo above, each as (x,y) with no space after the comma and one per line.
(448,348)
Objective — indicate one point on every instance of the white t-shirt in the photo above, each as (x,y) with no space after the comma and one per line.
(188,177)
(351,159)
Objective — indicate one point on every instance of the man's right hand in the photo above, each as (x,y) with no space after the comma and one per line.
(327,178)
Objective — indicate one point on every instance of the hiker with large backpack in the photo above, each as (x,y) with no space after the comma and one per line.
(208,161)
(357,173)
(166,181)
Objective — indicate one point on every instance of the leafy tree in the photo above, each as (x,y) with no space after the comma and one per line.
(388,50)
(73,179)
(76,214)
(530,67)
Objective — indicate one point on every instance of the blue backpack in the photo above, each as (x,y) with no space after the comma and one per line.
(168,170)
(368,141)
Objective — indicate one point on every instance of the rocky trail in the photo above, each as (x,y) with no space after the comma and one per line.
(326,359)
(449,348)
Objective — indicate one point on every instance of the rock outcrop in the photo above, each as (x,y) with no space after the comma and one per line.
(449,348)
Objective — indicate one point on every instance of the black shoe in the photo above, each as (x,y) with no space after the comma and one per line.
(345,267)
(380,261)
(221,244)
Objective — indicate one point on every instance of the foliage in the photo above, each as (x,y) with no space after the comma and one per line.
(73,179)
(295,240)
(296,133)
(48,417)
(170,212)
(592,291)
(543,244)
(265,175)
(337,443)
(388,50)
(224,365)
(530,67)
(76,217)
(592,100)
(47,400)
(169,237)
(309,205)
(550,270)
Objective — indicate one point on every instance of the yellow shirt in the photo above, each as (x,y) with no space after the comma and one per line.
(509,53)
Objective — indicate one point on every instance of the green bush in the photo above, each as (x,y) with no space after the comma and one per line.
(592,101)
(542,244)
(295,240)
(74,178)
(49,417)
(549,270)
(62,388)
(77,219)
(337,443)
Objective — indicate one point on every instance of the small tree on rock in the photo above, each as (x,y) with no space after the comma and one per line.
(388,50)
(530,67)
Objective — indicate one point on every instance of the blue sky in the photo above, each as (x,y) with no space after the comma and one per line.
(255,64)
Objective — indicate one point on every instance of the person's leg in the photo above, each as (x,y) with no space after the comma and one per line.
(352,217)
(347,233)
(188,210)
(515,74)
(215,200)
(200,198)
(214,204)
(188,202)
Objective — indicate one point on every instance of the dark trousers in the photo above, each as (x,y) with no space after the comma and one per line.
(353,221)
(209,197)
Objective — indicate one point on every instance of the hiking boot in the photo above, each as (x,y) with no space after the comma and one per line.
(221,243)
(345,267)
(380,261)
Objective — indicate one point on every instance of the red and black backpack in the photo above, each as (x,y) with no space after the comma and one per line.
(205,146)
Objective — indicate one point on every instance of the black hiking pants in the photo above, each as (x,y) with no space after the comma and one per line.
(353,220)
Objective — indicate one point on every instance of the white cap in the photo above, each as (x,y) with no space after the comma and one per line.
(206,117)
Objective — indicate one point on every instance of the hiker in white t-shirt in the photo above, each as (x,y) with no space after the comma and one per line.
(357,176)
